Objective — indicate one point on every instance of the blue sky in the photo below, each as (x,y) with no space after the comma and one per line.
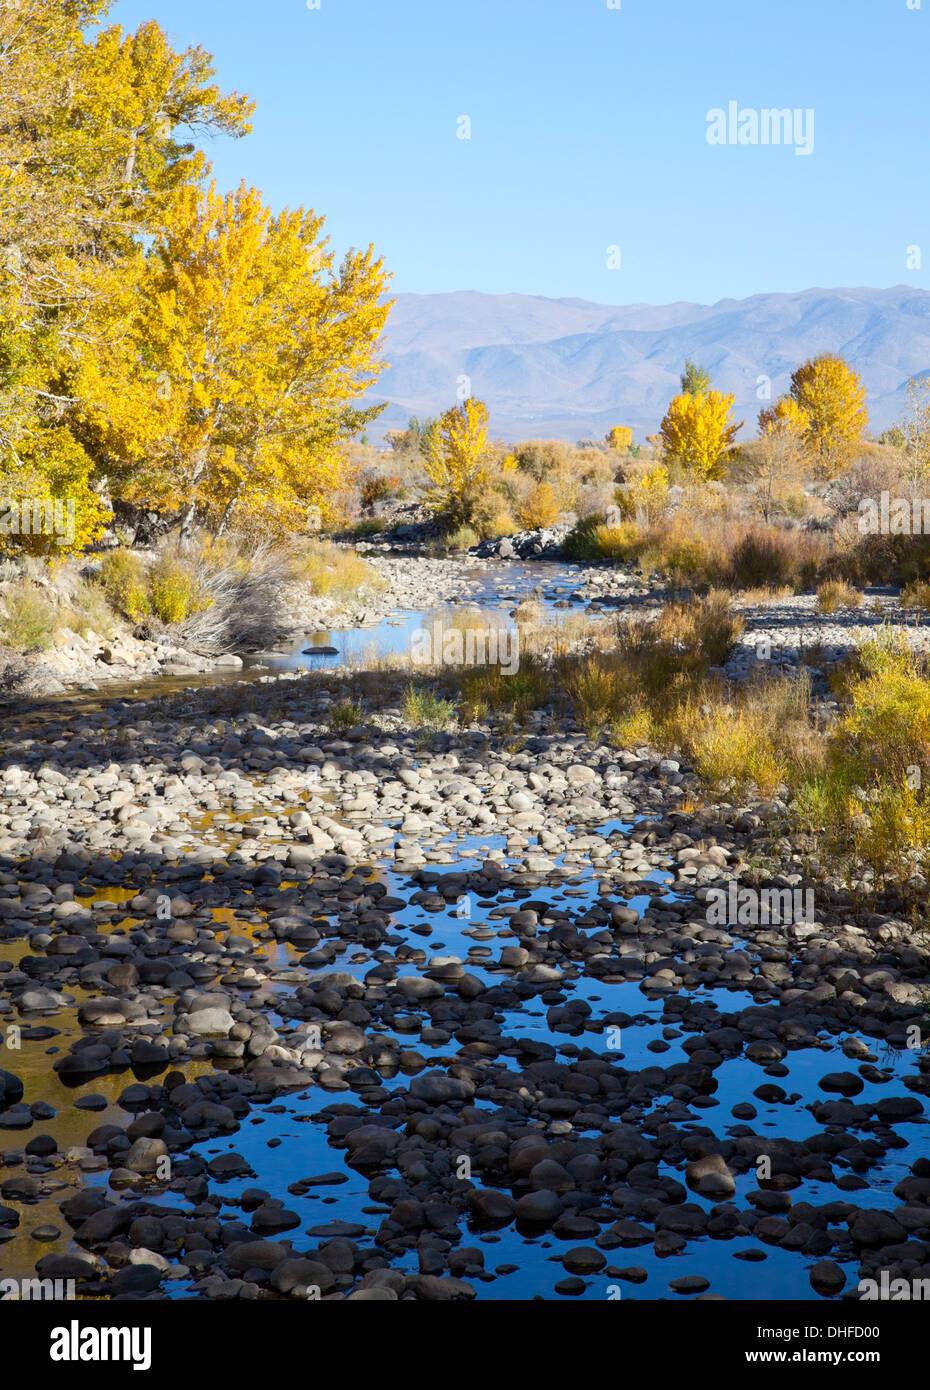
(588,131)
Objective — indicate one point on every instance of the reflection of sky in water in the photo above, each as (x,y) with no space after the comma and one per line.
(283,1145)
(501,588)
(304,1151)
(301,1148)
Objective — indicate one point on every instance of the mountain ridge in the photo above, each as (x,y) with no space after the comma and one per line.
(570,368)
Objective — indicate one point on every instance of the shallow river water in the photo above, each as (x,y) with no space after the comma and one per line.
(284,1143)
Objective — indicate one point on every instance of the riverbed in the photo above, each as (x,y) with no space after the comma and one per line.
(528,1032)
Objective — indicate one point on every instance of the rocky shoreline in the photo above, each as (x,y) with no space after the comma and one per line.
(84,662)
(787,632)
(479,973)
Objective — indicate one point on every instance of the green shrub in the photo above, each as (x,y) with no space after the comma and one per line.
(90,611)
(31,618)
(371,526)
(173,590)
(593,539)
(454,542)
(870,803)
(424,710)
(463,538)
(347,714)
(123,576)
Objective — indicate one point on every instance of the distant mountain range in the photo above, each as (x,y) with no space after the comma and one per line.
(569,369)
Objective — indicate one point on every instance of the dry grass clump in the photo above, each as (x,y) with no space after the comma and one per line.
(239,602)
(461,539)
(489,689)
(346,714)
(869,802)
(704,629)
(834,594)
(700,551)
(90,611)
(29,618)
(750,598)
(604,692)
(332,570)
(916,595)
(594,538)
(773,557)
(656,687)
(554,635)
(655,666)
(877,559)
(168,593)
(760,735)
(685,558)
(370,526)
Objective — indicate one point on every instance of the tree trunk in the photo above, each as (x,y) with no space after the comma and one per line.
(190,511)
(129,168)
(187,526)
(227,513)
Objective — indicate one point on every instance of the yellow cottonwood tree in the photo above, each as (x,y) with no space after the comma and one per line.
(697,431)
(458,464)
(619,438)
(95,141)
(832,397)
(786,416)
(234,366)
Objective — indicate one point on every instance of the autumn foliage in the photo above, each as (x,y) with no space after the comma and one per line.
(231,381)
(619,438)
(698,431)
(832,398)
(459,463)
(160,340)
